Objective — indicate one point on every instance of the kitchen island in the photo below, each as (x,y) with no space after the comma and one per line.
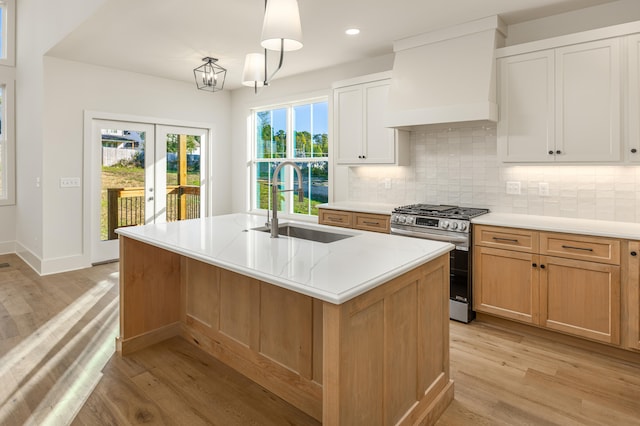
(351,332)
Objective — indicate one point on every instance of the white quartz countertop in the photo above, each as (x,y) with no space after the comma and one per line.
(601,228)
(360,206)
(334,272)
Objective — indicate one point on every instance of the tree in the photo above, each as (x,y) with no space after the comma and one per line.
(193,143)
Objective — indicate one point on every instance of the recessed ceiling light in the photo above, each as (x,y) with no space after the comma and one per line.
(352,31)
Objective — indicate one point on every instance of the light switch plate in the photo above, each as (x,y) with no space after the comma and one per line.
(69,182)
(513,188)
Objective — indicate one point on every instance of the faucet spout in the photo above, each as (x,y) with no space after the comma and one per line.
(274,193)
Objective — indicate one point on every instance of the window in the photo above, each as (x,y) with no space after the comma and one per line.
(7,32)
(7,78)
(294,132)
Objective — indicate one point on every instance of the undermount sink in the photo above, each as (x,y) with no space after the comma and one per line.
(316,235)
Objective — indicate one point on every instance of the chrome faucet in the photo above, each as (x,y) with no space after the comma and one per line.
(274,194)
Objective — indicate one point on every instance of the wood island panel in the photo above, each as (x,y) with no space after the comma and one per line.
(380,358)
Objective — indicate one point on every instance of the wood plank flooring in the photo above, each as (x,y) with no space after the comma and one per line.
(58,366)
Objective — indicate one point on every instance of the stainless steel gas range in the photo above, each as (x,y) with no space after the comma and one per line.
(450,224)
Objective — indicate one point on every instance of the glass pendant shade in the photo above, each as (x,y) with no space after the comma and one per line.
(253,71)
(281,27)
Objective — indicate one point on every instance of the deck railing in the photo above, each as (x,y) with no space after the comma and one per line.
(125,206)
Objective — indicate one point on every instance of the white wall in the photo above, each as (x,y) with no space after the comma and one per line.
(40,24)
(70,89)
(317,83)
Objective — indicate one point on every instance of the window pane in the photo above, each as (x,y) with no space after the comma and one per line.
(262,185)
(315,177)
(271,133)
(320,126)
(310,130)
(3,149)
(3,50)
(3,180)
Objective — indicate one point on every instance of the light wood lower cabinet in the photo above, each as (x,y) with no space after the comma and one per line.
(506,284)
(355,220)
(576,291)
(631,309)
(580,298)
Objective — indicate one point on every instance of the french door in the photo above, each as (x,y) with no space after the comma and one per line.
(143,173)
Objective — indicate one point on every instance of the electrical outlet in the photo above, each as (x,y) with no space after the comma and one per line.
(513,188)
(387,183)
(69,182)
(543,189)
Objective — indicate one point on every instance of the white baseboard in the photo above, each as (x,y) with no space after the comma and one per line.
(7,247)
(51,266)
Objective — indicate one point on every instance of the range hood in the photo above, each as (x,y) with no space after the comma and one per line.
(446,76)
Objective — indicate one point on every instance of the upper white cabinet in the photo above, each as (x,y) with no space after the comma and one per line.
(359,133)
(527,111)
(633,109)
(561,104)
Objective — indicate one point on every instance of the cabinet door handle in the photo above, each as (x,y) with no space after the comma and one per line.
(550,152)
(633,253)
(542,266)
(535,265)
(634,150)
(336,219)
(558,152)
(577,248)
(511,240)
(371,223)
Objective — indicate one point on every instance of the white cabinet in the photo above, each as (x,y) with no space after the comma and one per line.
(359,134)
(633,100)
(527,111)
(561,104)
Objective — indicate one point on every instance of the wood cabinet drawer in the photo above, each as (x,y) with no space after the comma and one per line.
(595,249)
(372,222)
(335,218)
(506,238)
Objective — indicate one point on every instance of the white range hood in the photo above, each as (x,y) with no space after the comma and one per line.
(446,76)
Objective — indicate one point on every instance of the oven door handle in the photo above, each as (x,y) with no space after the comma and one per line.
(461,243)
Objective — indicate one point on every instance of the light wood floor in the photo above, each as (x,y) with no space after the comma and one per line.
(57,366)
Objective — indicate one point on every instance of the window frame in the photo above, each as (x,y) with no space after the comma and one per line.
(288,208)
(8,193)
(8,33)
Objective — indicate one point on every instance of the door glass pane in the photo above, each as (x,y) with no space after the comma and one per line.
(183,177)
(122,181)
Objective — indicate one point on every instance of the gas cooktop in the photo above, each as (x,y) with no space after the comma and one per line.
(440,211)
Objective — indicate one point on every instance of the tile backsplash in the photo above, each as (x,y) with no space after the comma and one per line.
(460,166)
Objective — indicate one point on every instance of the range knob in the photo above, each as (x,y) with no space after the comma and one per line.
(444,224)
(454,225)
(410,220)
(402,219)
(463,226)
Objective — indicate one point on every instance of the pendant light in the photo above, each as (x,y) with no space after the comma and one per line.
(281,31)
(210,76)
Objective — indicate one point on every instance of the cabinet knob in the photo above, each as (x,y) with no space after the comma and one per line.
(558,152)
(535,265)
(633,150)
(542,266)
(633,253)
(550,152)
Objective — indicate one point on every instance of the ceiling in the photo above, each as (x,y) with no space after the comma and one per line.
(169,38)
